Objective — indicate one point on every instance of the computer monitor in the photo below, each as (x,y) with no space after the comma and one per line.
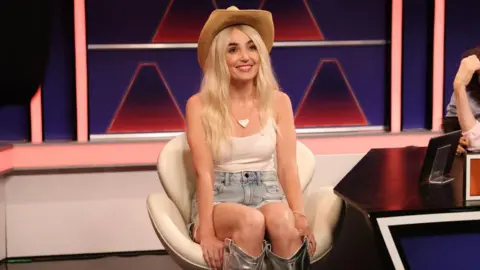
(439,158)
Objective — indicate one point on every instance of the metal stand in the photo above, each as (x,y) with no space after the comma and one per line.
(437,174)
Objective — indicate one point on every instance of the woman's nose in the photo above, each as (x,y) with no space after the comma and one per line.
(244,56)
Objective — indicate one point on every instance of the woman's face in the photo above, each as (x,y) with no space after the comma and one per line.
(242,57)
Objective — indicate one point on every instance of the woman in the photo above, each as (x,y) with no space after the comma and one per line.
(451,121)
(236,124)
(467,80)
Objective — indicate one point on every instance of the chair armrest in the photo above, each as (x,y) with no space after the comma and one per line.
(172,230)
(323,209)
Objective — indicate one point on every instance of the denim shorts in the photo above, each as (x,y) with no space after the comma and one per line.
(250,188)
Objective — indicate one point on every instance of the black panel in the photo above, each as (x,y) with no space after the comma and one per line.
(25,35)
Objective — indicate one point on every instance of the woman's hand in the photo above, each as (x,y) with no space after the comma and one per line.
(212,249)
(460,150)
(463,144)
(301,224)
(468,66)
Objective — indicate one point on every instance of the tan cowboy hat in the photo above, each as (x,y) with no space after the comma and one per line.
(260,20)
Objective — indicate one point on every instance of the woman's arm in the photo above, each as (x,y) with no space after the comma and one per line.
(468,67)
(465,116)
(287,153)
(468,123)
(203,164)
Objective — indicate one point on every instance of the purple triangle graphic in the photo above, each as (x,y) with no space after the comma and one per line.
(329,100)
(148,105)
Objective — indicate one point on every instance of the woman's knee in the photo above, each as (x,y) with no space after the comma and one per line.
(251,226)
(280,223)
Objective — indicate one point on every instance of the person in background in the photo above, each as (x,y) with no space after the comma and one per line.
(245,209)
(466,93)
(451,121)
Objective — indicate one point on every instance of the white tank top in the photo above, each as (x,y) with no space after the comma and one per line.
(251,153)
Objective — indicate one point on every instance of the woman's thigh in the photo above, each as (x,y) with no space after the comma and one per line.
(229,218)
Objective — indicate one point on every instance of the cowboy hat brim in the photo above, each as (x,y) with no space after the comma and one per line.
(260,20)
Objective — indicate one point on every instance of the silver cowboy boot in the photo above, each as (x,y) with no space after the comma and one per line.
(235,258)
(299,260)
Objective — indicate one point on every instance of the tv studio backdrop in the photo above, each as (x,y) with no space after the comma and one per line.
(79,158)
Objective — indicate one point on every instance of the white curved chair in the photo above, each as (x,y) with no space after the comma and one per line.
(170,211)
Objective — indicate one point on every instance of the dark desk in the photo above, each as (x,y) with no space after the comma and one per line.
(385,184)
(387,180)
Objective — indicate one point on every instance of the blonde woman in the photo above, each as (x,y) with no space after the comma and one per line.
(245,210)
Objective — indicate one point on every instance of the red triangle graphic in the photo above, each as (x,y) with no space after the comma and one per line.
(182,21)
(241,4)
(294,21)
(148,105)
(329,100)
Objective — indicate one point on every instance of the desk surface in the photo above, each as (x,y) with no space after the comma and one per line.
(387,180)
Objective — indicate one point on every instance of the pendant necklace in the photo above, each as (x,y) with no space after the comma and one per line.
(244,122)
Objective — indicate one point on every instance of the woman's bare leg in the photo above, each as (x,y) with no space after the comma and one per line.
(244,225)
(280,225)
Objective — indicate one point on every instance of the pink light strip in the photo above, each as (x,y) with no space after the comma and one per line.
(6,162)
(438,64)
(146,153)
(81,70)
(396,67)
(36,117)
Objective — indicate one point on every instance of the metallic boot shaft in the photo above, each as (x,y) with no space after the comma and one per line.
(235,258)
(299,261)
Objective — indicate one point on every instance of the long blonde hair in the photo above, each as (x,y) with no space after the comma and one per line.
(215,87)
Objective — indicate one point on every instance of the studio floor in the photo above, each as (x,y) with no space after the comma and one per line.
(145,262)
(354,249)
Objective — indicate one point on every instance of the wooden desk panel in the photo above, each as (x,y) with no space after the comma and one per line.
(387,180)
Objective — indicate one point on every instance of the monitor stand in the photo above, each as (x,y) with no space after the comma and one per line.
(437,174)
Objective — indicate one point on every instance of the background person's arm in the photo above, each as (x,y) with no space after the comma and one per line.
(468,67)
(469,125)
